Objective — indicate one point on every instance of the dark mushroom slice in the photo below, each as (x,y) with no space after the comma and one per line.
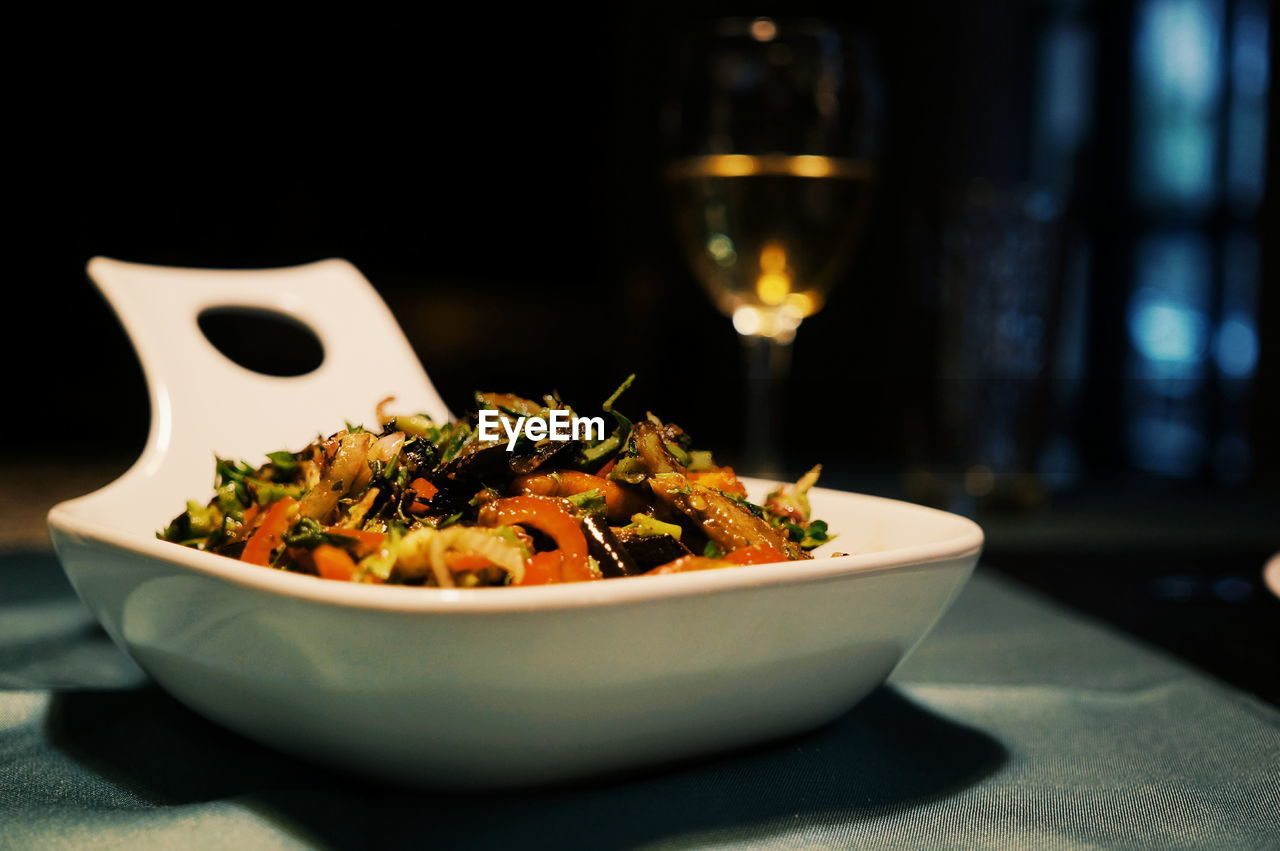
(652,451)
(607,550)
(419,455)
(476,461)
(546,452)
(728,523)
(650,551)
(232,550)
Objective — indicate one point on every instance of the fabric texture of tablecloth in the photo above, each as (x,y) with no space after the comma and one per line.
(1016,724)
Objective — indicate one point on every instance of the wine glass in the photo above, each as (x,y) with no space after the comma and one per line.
(771,130)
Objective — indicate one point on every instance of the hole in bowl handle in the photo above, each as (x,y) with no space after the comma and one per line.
(202,403)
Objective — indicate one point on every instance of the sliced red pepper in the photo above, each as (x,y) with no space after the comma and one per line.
(270,532)
(607,468)
(578,569)
(542,568)
(545,515)
(553,567)
(619,504)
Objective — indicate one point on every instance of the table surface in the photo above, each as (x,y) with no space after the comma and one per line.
(1016,724)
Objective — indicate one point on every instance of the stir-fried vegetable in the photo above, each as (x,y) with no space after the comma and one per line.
(427,503)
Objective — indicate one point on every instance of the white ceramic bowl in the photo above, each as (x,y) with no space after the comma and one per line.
(461,688)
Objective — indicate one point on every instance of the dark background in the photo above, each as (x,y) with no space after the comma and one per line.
(498,179)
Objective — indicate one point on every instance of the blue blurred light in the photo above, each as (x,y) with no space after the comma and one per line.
(1247,120)
(1167,316)
(1237,346)
(1249,66)
(1166,446)
(1179,84)
(1166,331)
(1179,50)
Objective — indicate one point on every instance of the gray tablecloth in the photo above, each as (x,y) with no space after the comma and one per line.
(1015,725)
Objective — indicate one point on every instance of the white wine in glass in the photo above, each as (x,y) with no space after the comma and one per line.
(768,235)
(771,130)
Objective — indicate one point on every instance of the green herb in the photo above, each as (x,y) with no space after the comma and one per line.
(454,436)
(225,470)
(228,472)
(749,506)
(203,521)
(269,492)
(712,550)
(621,432)
(648,526)
(381,561)
(679,453)
(418,426)
(601,449)
(629,469)
(228,499)
(816,535)
(285,462)
(699,460)
(591,502)
(403,473)
(608,403)
(308,534)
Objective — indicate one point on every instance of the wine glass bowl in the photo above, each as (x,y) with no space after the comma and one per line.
(768,235)
(772,130)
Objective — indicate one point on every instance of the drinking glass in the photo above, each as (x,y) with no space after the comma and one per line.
(771,130)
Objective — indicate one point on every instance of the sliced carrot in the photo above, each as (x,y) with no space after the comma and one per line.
(366,542)
(334,562)
(270,532)
(607,468)
(722,479)
(757,554)
(246,525)
(425,493)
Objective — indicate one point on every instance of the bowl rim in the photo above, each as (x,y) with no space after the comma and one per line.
(968,542)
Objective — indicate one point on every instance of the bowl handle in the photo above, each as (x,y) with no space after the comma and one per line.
(201,402)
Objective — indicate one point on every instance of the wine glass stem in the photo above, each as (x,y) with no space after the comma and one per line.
(768,364)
